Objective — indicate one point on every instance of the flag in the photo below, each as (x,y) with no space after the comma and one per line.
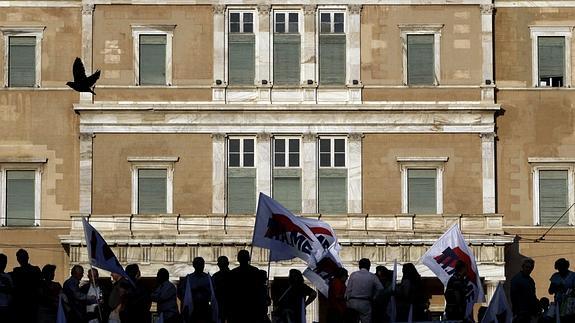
(99,253)
(324,233)
(324,270)
(61,315)
(392,306)
(187,302)
(284,234)
(498,307)
(441,259)
(214,303)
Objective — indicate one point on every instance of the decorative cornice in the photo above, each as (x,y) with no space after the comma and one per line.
(355,136)
(488,136)
(354,9)
(88,8)
(263,136)
(309,137)
(487,9)
(264,9)
(309,10)
(219,9)
(218,136)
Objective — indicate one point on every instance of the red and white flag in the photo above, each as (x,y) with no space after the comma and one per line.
(99,253)
(441,259)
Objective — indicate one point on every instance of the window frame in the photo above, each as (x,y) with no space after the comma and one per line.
(407,163)
(273,32)
(227,32)
(422,29)
(34,164)
(331,10)
(31,31)
(168,31)
(241,138)
(286,152)
(167,163)
(550,31)
(332,152)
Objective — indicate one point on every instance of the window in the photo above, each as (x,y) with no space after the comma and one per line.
(422,184)
(153,54)
(332,175)
(553,190)
(332,47)
(152,184)
(21,189)
(22,56)
(551,56)
(421,54)
(287,173)
(241,48)
(286,48)
(241,176)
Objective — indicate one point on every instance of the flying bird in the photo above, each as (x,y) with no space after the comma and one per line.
(83,83)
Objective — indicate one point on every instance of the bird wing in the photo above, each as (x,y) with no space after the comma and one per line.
(78,70)
(91,80)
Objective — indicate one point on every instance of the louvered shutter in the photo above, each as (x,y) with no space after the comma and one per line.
(152,184)
(420,60)
(22,61)
(152,59)
(551,57)
(241,190)
(287,59)
(332,191)
(421,187)
(332,59)
(553,196)
(242,58)
(287,188)
(20,198)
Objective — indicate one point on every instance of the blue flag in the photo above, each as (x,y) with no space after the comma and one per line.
(99,253)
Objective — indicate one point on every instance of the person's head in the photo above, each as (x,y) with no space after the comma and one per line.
(410,272)
(341,273)
(244,257)
(93,274)
(527,266)
(295,277)
(383,273)
(77,272)
(48,272)
(133,271)
(562,265)
(364,263)
(223,262)
(22,257)
(460,267)
(544,303)
(3,262)
(116,277)
(198,263)
(162,276)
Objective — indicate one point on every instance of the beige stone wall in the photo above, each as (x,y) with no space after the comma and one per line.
(381,53)
(157,94)
(513,40)
(192,42)
(62,40)
(421,94)
(112,184)
(462,177)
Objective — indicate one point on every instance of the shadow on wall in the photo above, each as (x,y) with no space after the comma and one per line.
(513,261)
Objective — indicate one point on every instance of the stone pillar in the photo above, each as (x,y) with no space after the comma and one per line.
(87,39)
(86,146)
(309,173)
(263,54)
(354,43)
(308,55)
(488,166)
(487,90)
(219,56)
(218,173)
(263,164)
(491,287)
(354,180)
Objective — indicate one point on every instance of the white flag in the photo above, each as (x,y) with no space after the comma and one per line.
(61,315)
(99,253)
(498,306)
(392,305)
(324,233)
(284,234)
(188,302)
(442,257)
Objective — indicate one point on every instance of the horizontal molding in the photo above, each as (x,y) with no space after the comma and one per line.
(153,159)
(535,4)
(39,3)
(553,160)
(291,2)
(29,160)
(422,159)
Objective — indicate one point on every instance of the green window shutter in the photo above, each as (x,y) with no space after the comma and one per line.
(333,191)
(242,58)
(420,60)
(332,59)
(287,58)
(22,61)
(152,194)
(20,198)
(153,59)
(287,188)
(553,196)
(421,191)
(551,56)
(241,190)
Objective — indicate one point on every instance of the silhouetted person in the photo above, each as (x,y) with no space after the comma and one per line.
(138,301)
(6,289)
(411,294)
(562,286)
(336,307)
(524,302)
(455,293)
(165,297)
(26,280)
(545,316)
(98,308)
(121,289)
(293,301)
(82,82)
(362,286)
(75,300)
(383,296)
(49,295)
(219,280)
(200,287)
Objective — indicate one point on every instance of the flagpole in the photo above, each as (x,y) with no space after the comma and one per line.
(94,284)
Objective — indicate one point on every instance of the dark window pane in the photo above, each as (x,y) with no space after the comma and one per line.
(248,17)
(338,28)
(325,25)
(324,145)
(294,145)
(339,145)
(248,160)
(235,27)
(294,159)
(234,160)
(248,27)
(325,160)
(280,160)
(280,17)
(339,160)
(280,145)
(293,23)
(235,17)
(280,27)
(325,17)
(338,23)
(234,145)
(248,145)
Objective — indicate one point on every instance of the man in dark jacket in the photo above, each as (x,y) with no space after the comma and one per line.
(138,299)
(75,300)
(201,289)
(26,280)
(455,293)
(524,300)
(219,280)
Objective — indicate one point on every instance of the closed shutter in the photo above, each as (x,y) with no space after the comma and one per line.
(20,198)
(553,196)
(153,59)
(420,60)
(421,191)
(152,184)
(287,59)
(551,56)
(242,58)
(332,191)
(241,191)
(22,61)
(332,60)
(287,188)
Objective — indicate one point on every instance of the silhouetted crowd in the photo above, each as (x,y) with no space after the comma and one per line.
(242,295)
